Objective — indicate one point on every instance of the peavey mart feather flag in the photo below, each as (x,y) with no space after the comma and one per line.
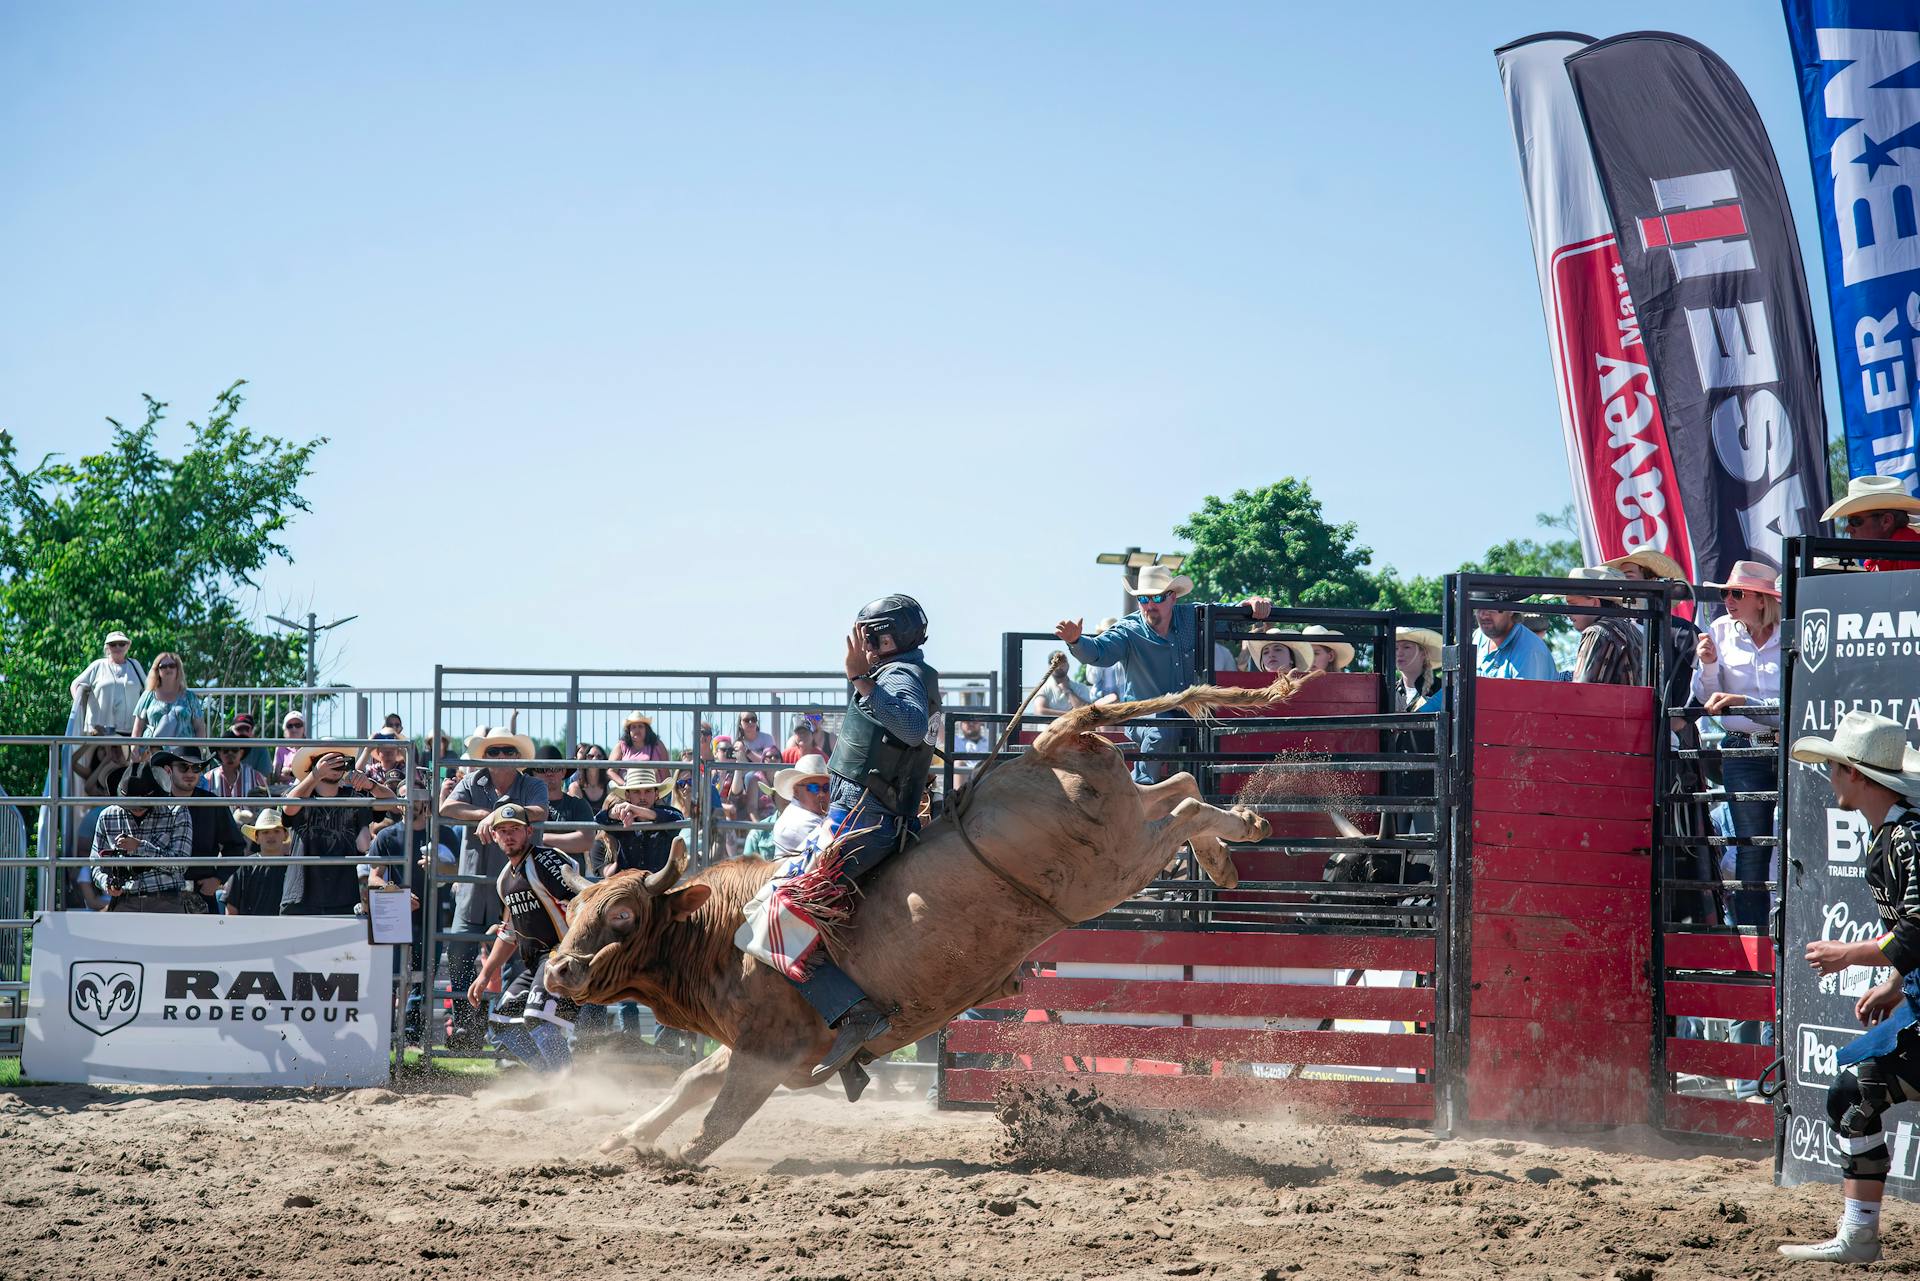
(1708,244)
(1625,492)
(1858,63)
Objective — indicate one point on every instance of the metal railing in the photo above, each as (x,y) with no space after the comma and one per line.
(49,856)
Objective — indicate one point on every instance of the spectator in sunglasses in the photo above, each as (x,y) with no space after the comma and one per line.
(169,709)
(107,691)
(1155,650)
(292,725)
(1878,508)
(804,789)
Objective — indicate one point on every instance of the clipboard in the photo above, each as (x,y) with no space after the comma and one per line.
(389,915)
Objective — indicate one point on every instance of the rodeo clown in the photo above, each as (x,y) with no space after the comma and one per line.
(529,1022)
(880,766)
(1874,772)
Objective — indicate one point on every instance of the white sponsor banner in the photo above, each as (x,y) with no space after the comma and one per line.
(207,1000)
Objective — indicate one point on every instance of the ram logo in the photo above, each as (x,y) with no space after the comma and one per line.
(1816,637)
(104,996)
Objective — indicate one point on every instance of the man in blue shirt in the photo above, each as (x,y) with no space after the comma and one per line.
(1507,648)
(1155,650)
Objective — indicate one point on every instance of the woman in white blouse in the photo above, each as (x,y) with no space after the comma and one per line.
(1739,663)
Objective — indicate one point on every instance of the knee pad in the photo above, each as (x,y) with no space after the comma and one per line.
(1855,1104)
(1847,1111)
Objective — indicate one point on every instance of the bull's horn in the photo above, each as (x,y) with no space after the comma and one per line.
(663,880)
(575,881)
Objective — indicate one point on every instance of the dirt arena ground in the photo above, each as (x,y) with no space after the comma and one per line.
(506,1182)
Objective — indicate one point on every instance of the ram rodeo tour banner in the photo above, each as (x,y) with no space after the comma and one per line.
(208,1000)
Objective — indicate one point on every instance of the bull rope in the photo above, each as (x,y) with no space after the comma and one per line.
(965,801)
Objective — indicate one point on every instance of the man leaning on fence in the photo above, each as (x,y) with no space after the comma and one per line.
(141,827)
(1155,650)
(1506,649)
(1874,773)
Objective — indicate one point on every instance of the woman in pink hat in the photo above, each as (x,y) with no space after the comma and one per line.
(1738,662)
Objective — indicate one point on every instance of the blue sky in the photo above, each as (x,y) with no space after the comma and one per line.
(689,328)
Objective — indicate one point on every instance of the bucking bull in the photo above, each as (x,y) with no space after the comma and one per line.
(1058,834)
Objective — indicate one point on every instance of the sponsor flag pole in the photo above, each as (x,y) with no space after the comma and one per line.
(1707,242)
(1625,493)
(1858,63)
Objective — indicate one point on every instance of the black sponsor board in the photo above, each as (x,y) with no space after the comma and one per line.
(1859,635)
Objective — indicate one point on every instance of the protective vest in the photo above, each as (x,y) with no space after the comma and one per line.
(867,753)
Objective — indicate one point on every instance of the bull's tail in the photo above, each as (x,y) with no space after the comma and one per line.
(1197,701)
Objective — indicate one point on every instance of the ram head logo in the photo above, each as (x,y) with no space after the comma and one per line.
(1816,637)
(103,996)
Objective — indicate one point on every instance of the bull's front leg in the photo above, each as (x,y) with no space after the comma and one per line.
(750,1080)
(1158,799)
(691,1088)
(1204,827)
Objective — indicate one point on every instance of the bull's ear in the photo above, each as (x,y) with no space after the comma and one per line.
(684,902)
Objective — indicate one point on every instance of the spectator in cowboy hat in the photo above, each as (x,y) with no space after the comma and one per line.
(1268,653)
(107,691)
(638,742)
(1880,509)
(215,834)
(1738,662)
(139,827)
(1331,654)
(1647,564)
(636,798)
(804,788)
(256,890)
(1416,659)
(1508,649)
(1612,649)
(328,831)
(1155,650)
(1874,773)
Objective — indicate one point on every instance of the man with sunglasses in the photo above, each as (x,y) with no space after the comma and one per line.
(215,834)
(1878,509)
(106,692)
(1156,652)
(804,788)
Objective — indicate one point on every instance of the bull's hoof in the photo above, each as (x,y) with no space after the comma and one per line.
(621,1142)
(688,1156)
(1258,829)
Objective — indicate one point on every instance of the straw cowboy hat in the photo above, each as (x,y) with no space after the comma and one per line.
(1342,651)
(484,737)
(1657,563)
(307,757)
(1301,651)
(1426,638)
(1751,576)
(1596,574)
(1874,745)
(813,766)
(638,780)
(636,718)
(269,821)
(1154,579)
(1873,494)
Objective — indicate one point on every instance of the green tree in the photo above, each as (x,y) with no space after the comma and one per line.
(157,547)
(1276,542)
(1530,558)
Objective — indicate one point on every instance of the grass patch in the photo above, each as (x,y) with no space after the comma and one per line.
(450,1066)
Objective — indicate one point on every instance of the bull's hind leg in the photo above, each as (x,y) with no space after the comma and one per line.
(693,1087)
(1160,798)
(749,1081)
(1205,827)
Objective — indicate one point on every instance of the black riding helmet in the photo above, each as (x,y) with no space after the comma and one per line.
(897,616)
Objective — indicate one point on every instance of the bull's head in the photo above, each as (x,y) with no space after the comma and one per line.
(613,932)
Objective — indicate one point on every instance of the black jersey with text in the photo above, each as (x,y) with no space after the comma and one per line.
(533,888)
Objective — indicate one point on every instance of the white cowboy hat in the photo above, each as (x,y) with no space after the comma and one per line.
(307,757)
(1874,745)
(1658,563)
(1751,576)
(116,638)
(1342,651)
(1154,579)
(635,780)
(484,737)
(1426,638)
(1596,574)
(635,718)
(1302,652)
(1873,494)
(811,766)
(268,821)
